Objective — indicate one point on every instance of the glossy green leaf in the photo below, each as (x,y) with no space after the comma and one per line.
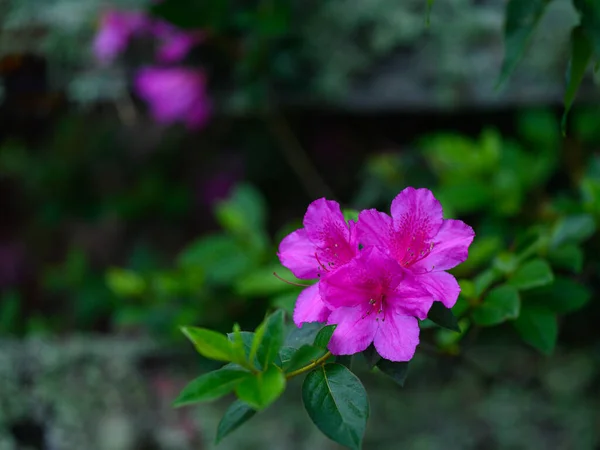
(240,345)
(235,416)
(304,356)
(581,55)
(324,336)
(443,316)
(397,371)
(561,297)
(538,327)
(210,344)
(304,335)
(521,18)
(337,403)
(268,339)
(500,304)
(211,386)
(568,257)
(285,355)
(573,229)
(262,389)
(534,273)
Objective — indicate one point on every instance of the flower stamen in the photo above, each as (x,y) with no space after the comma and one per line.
(290,282)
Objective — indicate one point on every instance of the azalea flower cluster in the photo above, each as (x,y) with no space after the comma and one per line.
(379,275)
(174,93)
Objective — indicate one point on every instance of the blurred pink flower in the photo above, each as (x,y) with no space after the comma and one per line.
(115,31)
(174,43)
(176,94)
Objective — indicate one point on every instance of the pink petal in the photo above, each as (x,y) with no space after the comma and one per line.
(397,337)
(442,286)
(450,246)
(369,276)
(297,253)
(417,219)
(354,332)
(411,298)
(417,209)
(310,307)
(374,228)
(329,231)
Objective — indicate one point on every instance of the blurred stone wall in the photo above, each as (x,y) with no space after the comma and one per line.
(111,394)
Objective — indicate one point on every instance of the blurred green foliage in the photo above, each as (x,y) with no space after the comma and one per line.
(532,199)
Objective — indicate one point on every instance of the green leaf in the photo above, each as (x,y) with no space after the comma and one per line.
(589,11)
(285,302)
(500,304)
(240,354)
(532,274)
(262,282)
(371,356)
(210,344)
(305,334)
(285,355)
(125,283)
(219,257)
(211,386)
(573,230)
(561,297)
(236,415)
(538,327)
(443,316)
(350,214)
(324,336)
(569,257)
(247,338)
(262,389)
(397,371)
(268,339)
(337,403)
(304,356)
(244,211)
(522,16)
(581,55)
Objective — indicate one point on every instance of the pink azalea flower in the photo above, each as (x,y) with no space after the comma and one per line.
(175,94)
(420,240)
(374,301)
(325,244)
(116,29)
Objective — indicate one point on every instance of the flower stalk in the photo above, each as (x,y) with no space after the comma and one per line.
(309,367)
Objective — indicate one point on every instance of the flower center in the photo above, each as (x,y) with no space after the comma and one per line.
(376,308)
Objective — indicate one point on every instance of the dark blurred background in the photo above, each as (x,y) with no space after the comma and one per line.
(130,207)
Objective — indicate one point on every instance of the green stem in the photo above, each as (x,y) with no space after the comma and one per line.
(310,366)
